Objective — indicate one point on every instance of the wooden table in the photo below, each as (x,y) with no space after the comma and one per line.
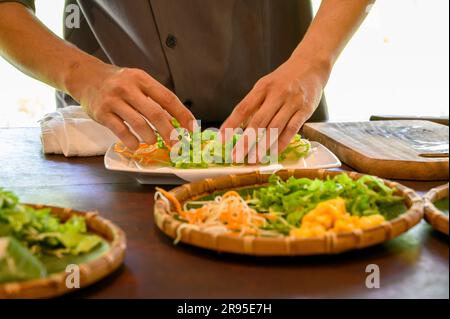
(413,265)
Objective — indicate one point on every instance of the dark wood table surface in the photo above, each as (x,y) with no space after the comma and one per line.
(413,265)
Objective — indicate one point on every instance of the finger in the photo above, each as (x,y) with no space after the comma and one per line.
(292,128)
(246,146)
(244,110)
(168,101)
(268,138)
(154,113)
(118,127)
(259,122)
(136,121)
(166,115)
(277,126)
(282,118)
(266,113)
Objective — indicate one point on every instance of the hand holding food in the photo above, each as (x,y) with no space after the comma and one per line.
(159,154)
(283,100)
(113,95)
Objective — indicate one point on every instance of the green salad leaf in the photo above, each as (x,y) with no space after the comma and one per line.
(297,149)
(41,231)
(17,263)
(297,196)
(7,199)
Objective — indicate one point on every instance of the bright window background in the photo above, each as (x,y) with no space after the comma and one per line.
(23,101)
(396,64)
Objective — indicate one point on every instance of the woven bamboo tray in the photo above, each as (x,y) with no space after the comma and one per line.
(260,246)
(433,215)
(90,272)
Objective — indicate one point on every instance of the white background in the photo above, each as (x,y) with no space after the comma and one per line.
(397,63)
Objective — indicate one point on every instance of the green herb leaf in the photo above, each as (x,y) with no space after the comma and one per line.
(297,196)
(41,231)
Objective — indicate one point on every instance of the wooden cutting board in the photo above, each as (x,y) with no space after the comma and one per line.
(389,149)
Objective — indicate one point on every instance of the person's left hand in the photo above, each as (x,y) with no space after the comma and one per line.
(283,99)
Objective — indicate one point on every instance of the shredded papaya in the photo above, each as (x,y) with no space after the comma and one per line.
(146,154)
(171,199)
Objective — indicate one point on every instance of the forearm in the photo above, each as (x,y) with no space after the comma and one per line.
(110,95)
(31,47)
(333,26)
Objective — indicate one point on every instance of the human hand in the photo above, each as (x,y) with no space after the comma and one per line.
(113,95)
(284,100)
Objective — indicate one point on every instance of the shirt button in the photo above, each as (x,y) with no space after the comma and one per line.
(171,41)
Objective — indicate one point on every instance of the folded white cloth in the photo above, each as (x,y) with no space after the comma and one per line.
(70,131)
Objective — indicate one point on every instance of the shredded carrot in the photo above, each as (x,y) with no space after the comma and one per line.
(231,194)
(172,199)
(121,149)
(145,155)
(231,213)
(196,216)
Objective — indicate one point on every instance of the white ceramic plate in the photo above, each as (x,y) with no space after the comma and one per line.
(319,157)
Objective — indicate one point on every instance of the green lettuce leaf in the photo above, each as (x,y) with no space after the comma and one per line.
(17,263)
(41,231)
(297,196)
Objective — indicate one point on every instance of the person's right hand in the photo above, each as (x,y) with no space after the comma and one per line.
(113,95)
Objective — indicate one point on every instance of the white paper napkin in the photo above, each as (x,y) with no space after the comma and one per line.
(70,131)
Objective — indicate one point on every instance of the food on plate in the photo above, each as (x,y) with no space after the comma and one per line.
(146,154)
(298,207)
(17,263)
(159,153)
(332,216)
(31,237)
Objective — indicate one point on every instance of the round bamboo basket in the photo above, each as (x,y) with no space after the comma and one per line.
(284,246)
(90,272)
(434,216)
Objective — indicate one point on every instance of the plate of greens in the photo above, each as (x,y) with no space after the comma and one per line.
(436,208)
(43,249)
(291,212)
(152,164)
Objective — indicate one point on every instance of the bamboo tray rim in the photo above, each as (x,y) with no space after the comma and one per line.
(435,217)
(92,271)
(288,245)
